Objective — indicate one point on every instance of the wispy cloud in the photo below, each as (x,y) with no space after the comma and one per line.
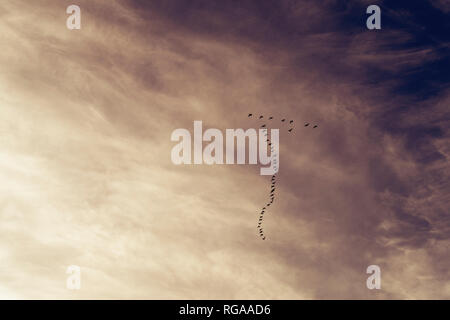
(85,125)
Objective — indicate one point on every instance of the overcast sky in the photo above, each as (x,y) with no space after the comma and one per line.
(86,176)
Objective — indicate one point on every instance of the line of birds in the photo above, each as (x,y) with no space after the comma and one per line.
(261,215)
(272,195)
(273,179)
(282,120)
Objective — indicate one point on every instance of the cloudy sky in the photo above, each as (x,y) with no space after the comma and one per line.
(86,176)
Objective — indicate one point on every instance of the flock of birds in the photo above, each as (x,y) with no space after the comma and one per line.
(273,179)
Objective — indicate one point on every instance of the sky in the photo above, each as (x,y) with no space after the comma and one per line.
(87,179)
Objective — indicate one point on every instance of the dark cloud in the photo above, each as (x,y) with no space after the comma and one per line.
(368,186)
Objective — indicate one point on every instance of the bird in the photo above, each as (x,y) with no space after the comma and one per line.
(263,126)
(290,130)
(270,118)
(283,120)
(261,117)
(306,124)
(264,238)
(291,121)
(315,126)
(250,114)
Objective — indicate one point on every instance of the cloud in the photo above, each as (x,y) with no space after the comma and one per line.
(85,150)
